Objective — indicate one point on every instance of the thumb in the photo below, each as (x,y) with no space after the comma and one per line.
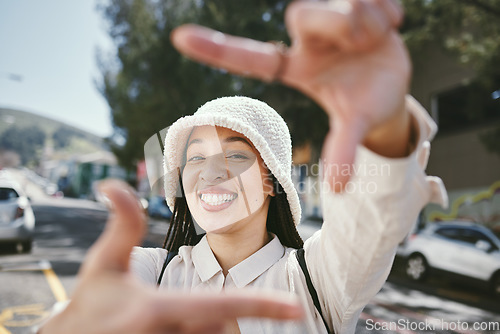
(125,229)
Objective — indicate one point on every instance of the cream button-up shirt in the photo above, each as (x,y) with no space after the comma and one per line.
(349,259)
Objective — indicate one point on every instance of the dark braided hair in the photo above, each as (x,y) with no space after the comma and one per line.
(279,221)
(181,230)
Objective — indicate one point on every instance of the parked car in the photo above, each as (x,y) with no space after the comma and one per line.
(17,221)
(49,188)
(157,207)
(459,248)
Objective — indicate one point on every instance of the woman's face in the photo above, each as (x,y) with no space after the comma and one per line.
(225,180)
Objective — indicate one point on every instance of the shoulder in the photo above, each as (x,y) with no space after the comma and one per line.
(144,254)
(157,255)
(146,263)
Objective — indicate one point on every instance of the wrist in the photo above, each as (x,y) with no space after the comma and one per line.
(59,322)
(395,138)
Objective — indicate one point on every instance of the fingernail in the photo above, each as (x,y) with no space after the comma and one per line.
(113,185)
(218,38)
(128,190)
(102,197)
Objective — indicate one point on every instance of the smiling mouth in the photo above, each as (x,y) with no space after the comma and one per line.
(217,199)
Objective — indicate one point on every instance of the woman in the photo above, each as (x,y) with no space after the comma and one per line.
(229,165)
(233,170)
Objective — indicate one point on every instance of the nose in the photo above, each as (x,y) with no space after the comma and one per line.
(215,169)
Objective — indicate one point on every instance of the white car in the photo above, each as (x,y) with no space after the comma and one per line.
(17,221)
(460,248)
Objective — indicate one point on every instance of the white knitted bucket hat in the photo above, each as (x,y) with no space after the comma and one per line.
(254,119)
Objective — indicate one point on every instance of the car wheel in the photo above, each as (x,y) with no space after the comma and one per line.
(24,246)
(416,267)
(27,245)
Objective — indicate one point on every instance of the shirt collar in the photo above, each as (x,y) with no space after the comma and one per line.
(204,260)
(256,264)
(244,272)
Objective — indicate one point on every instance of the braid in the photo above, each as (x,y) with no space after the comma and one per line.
(280,219)
(181,230)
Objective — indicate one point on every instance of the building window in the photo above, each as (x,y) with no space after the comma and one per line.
(465,107)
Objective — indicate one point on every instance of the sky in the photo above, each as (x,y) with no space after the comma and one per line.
(51,45)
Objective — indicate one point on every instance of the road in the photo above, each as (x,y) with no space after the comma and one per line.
(31,283)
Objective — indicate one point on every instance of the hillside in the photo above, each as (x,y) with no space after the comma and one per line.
(28,135)
(23,119)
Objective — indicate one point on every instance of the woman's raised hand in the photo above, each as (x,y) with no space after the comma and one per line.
(108,299)
(345,54)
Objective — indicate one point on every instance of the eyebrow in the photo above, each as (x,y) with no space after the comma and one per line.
(227,140)
(237,139)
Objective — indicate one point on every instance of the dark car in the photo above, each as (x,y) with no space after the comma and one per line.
(158,208)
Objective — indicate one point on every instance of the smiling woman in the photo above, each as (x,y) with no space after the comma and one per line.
(235,210)
(228,171)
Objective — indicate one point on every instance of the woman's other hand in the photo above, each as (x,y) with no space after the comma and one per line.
(108,299)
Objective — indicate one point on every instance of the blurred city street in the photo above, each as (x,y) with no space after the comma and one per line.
(31,283)
(393,103)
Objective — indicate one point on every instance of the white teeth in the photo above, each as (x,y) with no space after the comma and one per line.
(217,199)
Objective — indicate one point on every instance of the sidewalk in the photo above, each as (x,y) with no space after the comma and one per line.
(39,197)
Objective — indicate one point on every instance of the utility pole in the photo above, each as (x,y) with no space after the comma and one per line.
(11,76)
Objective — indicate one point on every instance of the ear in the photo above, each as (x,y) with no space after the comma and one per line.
(272,184)
(272,193)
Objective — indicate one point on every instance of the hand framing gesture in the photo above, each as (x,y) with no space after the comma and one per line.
(346,55)
(108,299)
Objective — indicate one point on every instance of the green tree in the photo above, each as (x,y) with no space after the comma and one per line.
(63,135)
(25,141)
(467,30)
(151,85)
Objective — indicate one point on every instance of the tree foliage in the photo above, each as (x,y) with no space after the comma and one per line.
(150,84)
(469,31)
(27,142)
(63,135)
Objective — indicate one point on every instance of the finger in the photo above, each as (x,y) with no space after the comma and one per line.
(375,19)
(236,54)
(225,307)
(346,25)
(339,153)
(393,10)
(204,326)
(320,24)
(124,229)
(373,23)
(252,306)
